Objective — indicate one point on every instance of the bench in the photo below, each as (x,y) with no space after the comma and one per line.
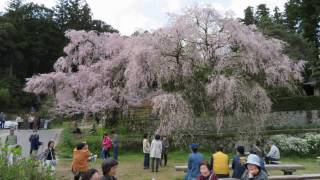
(288,177)
(287,169)
(295,177)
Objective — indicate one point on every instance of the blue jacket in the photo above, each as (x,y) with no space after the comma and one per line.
(238,166)
(194,161)
(34,140)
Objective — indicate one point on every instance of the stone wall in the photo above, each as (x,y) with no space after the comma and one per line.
(293,118)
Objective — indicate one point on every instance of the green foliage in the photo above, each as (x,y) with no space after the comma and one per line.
(248,16)
(298,103)
(306,145)
(32,39)
(22,168)
(4,97)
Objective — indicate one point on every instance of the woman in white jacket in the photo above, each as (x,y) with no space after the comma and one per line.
(155,152)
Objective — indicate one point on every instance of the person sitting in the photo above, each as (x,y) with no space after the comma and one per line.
(274,153)
(220,163)
(238,163)
(194,160)
(206,174)
(109,169)
(75,128)
(253,169)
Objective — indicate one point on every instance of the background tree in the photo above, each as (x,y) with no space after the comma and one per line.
(248,16)
(32,38)
(232,62)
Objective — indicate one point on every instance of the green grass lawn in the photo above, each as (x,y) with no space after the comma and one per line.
(131,168)
(131,159)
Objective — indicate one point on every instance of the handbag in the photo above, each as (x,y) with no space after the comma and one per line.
(53,162)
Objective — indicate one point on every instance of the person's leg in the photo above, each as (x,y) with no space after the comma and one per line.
(108,153)
(145,163)
(152,164)
(105,153)
(165,159)
(157,164)
(161,159)
(267,159)
(115,152)
(148,161)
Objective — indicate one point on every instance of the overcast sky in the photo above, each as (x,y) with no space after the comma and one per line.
(130,15)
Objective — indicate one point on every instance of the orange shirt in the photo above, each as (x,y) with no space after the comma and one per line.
(80,160)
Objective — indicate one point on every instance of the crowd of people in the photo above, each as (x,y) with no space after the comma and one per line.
(245,167)
(82,157)
(157,152)
(28,121)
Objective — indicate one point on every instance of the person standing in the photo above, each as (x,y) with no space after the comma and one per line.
(146,151)
(165,150)
(106,145)
(31,120)
(274,153)
(238,163)
(220,163)
(2,120)
(115,144)
(11,139)
(155,152)
(19,120)
(194,161)
(253,169)
(50,156)
(80,163)
(35,143)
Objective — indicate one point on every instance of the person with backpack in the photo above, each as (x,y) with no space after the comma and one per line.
(106,145)
(238,163)
(35,143)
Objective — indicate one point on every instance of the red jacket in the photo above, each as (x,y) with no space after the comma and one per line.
(212,177)
(107,142)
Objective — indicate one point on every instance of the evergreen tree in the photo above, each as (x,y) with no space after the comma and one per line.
(248,16)
(277,16)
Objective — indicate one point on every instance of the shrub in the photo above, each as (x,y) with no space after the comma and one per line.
(298,103)
(300,146)
(22,168)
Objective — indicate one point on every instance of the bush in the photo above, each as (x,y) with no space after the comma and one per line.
(298,103)
(300,146)
(22,168)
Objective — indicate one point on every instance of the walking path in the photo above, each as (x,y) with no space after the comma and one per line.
(23,138)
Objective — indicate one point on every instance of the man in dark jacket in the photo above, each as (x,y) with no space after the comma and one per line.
(34,140)
(109,169)
(238,163)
